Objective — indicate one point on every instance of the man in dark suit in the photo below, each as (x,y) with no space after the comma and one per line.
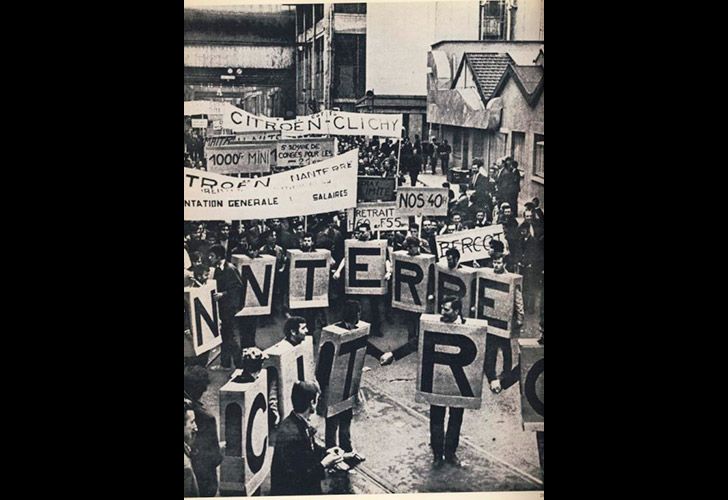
(299,463)
(229,296)
(531,251)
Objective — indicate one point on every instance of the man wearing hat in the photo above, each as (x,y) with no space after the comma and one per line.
(493,342)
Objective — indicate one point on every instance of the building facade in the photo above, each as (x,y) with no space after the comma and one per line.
(243,55)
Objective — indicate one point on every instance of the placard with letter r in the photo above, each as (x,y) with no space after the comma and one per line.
(451,360)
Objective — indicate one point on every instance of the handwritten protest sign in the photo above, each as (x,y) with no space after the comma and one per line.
(375,188)
(321,187)
(381,216)
(422,201)
(473,244)
(242,158)
(451,358)
(326,122)
(220,141)
(297,152)
(199,123)
(244,428)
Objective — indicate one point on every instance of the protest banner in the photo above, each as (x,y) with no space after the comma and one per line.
(241,158)
(244,427)
(199,123)
(531,384)
(192,108)
(257,275)
(321,187)
(422,201)
(413,279)
(450,365)
(495,299)
(382,216)
(326,122)
(340,362)
(287,364)
(309,275)
(365,269)
(297,152)
(227,140)
(201,310)
(459,282)
(371,188)
(473,244)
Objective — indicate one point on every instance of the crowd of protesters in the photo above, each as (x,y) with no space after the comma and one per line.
(489,197)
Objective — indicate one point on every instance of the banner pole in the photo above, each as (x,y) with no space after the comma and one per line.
(399,154)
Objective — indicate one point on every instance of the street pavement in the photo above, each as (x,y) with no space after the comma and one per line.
(391,430)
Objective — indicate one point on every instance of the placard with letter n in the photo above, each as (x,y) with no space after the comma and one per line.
(202,314)
(451,359)
(531,384)
(495,300)
(309,274)
(459,282)
(244,427)
(412,277)
(257,275)
(339,365)
(289,363)
(365,268)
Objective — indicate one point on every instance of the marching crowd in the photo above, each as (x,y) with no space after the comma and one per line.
(491,197)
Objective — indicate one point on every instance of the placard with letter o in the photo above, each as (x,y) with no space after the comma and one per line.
(257,275)
(289,363)
(495,300)
(451,359)
(412,277)
(365,268)
(531,384)
(341,356)
(244,427)
(309,274)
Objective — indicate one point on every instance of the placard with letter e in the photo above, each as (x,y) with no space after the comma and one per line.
(531,384)
(258,275)
(244,426)
(341,357)
(365,269)
(411,277)
(495,300)
(203,317)
(451,358)
(289,364)
(309,274)
(459,282)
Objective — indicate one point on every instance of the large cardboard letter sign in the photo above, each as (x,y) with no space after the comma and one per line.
(451,357)
(364,271)
(244,426)
(458,282)
(309,278)
(495,300)
(258,275)
(289,364)
(203,317)
(531,384)
(411,281)
(346,350)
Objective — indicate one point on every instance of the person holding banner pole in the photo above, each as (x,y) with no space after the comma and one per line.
(229,295)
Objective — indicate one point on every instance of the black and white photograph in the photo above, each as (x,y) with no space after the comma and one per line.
(363,247)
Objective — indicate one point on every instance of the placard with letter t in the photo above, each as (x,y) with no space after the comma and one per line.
(365,268)
(309,274)
(451,359)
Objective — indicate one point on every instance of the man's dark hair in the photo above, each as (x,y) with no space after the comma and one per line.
(199,270)
(303,394)
(218,250)
(411,241)
(196,381)
(307,235)
(363,224)
(497,246)
(454,252)
(352,309)
(414,225)
(457,304)
(292,324)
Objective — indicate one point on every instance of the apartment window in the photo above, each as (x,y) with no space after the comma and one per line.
(538,155)
(351,8)
(349,65)
(492,20)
